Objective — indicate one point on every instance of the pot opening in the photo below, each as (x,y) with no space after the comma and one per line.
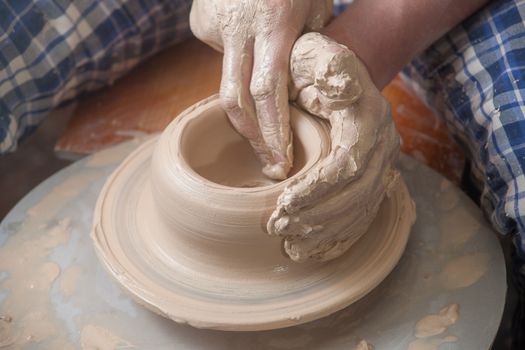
(214,150)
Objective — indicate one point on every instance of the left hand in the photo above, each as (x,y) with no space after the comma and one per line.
(322,213)
(257,37)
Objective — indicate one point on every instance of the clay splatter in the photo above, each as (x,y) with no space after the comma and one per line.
(435,324)
(95,337)
(464,271)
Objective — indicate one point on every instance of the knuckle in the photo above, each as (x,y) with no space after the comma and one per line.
(237,114)
(263,86)
(230,100)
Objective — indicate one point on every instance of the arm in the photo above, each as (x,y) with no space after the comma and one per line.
(387,34)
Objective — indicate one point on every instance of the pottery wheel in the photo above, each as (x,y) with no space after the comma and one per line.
(449,233)
(162,272)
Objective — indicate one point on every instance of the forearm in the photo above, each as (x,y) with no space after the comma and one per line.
(387,34)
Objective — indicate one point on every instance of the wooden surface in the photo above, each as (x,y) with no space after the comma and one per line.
(150,96)
(143,101)
(424,134)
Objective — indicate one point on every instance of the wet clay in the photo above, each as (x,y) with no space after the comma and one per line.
(364,345)
(61,194)
(69,279)
(95,337)
(431,344)
(206,183)
(28,318)
(437,323)
(461,225)
(323,212)
(464,271)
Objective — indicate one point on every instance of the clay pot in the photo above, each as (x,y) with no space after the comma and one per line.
(181,222)
(208,185)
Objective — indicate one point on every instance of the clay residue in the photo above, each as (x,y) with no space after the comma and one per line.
(464,271)
(68,282)
(448,199)
(431,344)
(432,325)
(458,226)
(364,345)
(61,194)
(93,337)
(44,277)
(27,317)
(435,324)
(104,158)
(7,337)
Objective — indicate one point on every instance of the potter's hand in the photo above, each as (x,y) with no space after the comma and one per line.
(322,213)
(257,37)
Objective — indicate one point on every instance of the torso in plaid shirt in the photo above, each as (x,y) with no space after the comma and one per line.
(54,50)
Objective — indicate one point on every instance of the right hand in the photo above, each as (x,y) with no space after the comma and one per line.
(257,38)
(323,212)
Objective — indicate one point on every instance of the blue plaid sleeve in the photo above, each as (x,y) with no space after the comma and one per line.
(341,5)
(54,50)
(475,77)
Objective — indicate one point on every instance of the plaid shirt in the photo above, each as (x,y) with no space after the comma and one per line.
(475,78)
(54,50)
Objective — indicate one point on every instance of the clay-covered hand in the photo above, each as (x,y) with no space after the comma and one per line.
(257,37)
(322,213)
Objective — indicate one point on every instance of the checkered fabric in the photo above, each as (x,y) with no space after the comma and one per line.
(475,77)
(54,50)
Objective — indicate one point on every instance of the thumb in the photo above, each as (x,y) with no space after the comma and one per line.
(330,68)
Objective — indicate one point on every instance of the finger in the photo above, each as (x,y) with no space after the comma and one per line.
(339,207)
(311,234)
(235,94)
(270,93)
(317,214)
(331,173)
(330,67)
(338,203)
(204,25)
(324,243)
(308,99)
